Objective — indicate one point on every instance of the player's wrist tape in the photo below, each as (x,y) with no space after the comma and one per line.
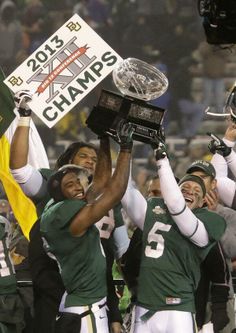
(24,121)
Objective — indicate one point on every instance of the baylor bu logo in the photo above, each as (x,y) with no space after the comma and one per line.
(55,66)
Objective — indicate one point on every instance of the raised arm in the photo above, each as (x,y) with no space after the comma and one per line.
(113,192)
(224,157)
(20,140)
(134,204)
(230,139)
(187,222)
(30,179)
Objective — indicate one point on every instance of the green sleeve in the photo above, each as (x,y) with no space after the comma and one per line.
(214,223)
(66,210)
(46,173)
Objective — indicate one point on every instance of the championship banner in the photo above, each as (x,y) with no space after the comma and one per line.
(63,70)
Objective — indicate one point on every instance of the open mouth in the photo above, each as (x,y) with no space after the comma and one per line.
(79,195)
(188,199)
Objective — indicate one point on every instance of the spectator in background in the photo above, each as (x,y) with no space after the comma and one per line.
(97,13)
(11,36)
(194,151)
(11,307)
(214,60)
(141,174)
(137,37)
(36,25)
(18,247)
(19,253)
(191,111)
(81,8)
(164,100)
(181,41)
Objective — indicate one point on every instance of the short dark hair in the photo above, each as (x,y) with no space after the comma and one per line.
(71,151)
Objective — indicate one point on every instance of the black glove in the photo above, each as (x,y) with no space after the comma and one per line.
(123,135)
(219,317)
(159,147)
(160,152)
(21,98)
(218,146)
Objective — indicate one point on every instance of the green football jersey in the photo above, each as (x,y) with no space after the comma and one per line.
(109,222)
(81,259)
(7,272)
(170,265)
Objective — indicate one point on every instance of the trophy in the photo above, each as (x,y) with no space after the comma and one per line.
(138,83)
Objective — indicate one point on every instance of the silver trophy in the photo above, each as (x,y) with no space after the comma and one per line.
(138,83)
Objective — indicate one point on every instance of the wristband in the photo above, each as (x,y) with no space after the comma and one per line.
(24,121)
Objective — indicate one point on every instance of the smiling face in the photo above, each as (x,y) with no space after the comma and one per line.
(86,158)
(193,194)
(74,187)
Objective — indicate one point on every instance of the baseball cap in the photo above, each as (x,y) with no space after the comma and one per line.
(204,166)
(195,179)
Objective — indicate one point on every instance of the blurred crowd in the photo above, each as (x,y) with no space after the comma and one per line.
(167,34)
(199,74)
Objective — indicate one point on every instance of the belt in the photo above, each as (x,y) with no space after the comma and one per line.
(92,308)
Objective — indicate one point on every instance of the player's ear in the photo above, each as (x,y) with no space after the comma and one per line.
(213,184)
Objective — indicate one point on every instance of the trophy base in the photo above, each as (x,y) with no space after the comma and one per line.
(145,118)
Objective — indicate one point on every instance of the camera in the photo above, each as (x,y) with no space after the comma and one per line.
(219,20)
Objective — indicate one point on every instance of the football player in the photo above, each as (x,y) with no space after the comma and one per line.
(67,226)
(224,157)
(177,235)
(215,274)
(48,287)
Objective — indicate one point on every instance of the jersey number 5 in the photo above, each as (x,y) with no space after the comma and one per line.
(156,249)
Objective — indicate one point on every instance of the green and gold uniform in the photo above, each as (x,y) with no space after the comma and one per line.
(82,263)
(42,264)
(170,265)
